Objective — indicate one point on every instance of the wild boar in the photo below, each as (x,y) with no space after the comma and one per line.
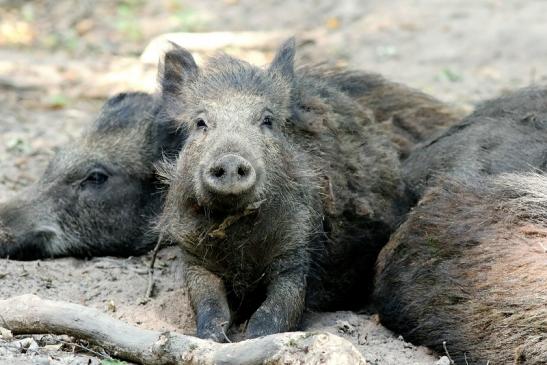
(469,266)
(283,193)
(98,195)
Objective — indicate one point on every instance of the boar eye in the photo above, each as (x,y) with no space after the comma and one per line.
(267,121)
(200,123)
(95,178)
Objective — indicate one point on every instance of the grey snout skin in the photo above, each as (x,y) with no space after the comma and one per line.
(25,233)
(230,174)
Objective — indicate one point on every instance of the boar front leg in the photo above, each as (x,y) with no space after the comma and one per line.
(208,297)
(283,307)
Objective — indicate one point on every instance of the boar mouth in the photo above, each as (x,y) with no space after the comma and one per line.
(228,203)
(29,246)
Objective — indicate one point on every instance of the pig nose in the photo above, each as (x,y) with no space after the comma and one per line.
(230,175)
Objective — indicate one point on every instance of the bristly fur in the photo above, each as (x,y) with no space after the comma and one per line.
(64,214)
(503,135)
(407,115)
(328,185)
(469,265)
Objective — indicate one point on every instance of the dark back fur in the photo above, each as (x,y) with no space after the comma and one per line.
(408,116)
(503,135)
(359,181)
(469,267)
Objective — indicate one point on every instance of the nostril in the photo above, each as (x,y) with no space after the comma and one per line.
(229,174)
(242,171)
(218,172)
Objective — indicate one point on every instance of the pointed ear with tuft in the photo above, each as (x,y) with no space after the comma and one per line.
(283,62)
(178,67)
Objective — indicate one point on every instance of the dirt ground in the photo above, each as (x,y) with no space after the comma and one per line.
(59,60)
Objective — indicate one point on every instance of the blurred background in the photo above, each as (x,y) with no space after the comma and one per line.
(60,59)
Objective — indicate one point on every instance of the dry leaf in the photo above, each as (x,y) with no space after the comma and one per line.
(332,23)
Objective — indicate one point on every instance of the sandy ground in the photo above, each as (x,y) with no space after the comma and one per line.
(59,61)
(116,286)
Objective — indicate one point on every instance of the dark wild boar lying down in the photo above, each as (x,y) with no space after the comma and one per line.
(469,266)
(99,196)
(283,194)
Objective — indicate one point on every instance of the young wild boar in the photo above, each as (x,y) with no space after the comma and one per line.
(283,193)
(98,195)
(469,266)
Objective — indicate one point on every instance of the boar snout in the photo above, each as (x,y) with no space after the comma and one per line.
(28,245)
(230,174)
(26,231)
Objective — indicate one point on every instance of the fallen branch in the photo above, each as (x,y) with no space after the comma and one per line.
(28,314)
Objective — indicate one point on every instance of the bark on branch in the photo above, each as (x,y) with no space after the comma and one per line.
(28,314)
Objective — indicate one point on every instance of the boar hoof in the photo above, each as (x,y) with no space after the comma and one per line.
(212,331)
(259,327)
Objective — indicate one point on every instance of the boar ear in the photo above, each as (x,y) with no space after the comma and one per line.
(178,67)
(283,62)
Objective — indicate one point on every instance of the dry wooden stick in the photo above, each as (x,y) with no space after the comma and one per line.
(28,314)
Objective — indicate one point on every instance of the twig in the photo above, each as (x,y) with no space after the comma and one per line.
(447,354)
(220,231)
(223,324)
(103,356)
(151,284)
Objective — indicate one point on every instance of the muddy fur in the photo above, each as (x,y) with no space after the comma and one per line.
(100,193)
(328,192)
(409,116)
(469,267)
(507,134)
